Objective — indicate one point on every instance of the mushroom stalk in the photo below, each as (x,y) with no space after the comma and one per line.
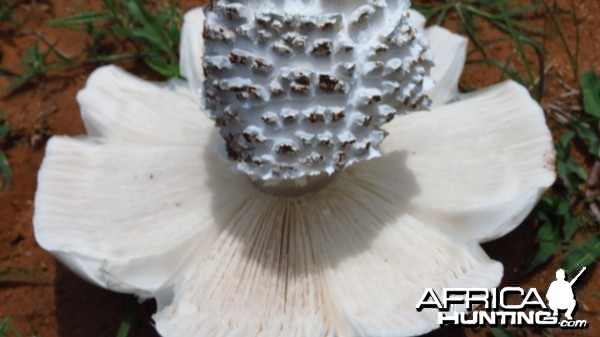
(294,187)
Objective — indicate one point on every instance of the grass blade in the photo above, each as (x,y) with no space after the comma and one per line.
(517,39)
(501,332)
(572,58)
(79,19)
(583,257)
(127,321)
(5,175)
(590,86)
(505,68)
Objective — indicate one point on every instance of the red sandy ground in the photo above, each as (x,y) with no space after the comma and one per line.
(61,304)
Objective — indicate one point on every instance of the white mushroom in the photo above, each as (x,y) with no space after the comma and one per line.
(143,205)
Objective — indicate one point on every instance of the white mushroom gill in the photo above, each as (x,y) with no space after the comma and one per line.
(143,205)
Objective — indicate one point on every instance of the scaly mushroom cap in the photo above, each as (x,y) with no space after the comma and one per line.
(299,88)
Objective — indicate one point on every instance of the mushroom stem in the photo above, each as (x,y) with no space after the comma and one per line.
(294,187)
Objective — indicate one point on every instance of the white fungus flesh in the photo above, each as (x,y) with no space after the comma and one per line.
(302,88)
(142,204)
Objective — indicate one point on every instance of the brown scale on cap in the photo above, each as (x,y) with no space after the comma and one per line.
(287,149)
(316,116)
(276,89)
(298,88)
(341,161)
(281,49)
(322,47)
(239,57)
(337,115)
(231,11)
(261,65)
(330,83)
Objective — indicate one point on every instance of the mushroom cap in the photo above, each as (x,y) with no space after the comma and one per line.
(302,88)
(143,205)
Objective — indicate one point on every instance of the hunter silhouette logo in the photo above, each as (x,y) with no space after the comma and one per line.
(560,294)
(525,308)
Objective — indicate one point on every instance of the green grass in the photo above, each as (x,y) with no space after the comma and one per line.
(506,16)
(6,17)
(5,172)
(8,328)
(7,13)
(22,276)
(35,63)
(572,48)
(154,33)
(502,332)
(130,313)
(572,207)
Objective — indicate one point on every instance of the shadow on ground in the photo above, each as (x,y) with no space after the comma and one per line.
(84,310)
